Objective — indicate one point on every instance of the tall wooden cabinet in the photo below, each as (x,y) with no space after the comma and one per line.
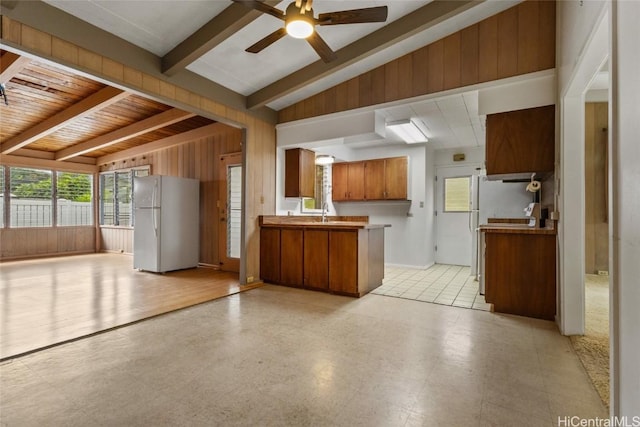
(300,173)
(521,141)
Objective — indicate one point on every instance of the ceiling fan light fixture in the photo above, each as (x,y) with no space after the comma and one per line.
(299,28)
(298,23)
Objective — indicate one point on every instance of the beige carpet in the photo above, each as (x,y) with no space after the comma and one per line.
(593,347)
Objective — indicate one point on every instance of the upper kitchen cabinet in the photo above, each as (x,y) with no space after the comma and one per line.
(396,178)
(376,179)
(521,141)
(385,179)
(299,170)
(347,181)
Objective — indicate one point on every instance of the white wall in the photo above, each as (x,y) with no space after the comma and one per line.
(625,156)
(409,240)
(578,50)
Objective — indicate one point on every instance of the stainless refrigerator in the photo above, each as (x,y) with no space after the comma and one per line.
(166,223)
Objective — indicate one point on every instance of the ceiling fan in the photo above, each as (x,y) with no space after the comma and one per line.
(299,22)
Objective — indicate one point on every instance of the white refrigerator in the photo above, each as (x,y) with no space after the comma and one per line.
(492,199)
(166,223)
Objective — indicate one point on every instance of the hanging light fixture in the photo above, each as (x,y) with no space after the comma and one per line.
(324,159)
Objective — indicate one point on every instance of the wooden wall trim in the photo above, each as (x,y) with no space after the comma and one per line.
(31,162)
(517,41)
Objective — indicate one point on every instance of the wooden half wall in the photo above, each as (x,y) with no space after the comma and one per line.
(199,159)
(518,41)
(259,143)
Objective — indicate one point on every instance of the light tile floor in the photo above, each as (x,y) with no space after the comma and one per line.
(441,284)
(277,356)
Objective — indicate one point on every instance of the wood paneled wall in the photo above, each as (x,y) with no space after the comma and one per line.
(519,40)
(596,195)
(197,159)
(39,242)
(260,138)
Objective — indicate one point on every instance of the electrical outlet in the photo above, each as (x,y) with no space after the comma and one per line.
(603,273)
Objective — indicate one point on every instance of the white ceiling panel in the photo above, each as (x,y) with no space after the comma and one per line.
(245,73)
(155,25)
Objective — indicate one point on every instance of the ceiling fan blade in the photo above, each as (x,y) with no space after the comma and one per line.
(262,7)
(321,47)
(271,38)
(355,16)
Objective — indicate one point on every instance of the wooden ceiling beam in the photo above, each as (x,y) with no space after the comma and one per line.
(210,35)
(10,65)
(97,101)
(415,22)
(161,144)
(149,124)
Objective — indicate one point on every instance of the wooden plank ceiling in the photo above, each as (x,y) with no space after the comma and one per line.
(56,114)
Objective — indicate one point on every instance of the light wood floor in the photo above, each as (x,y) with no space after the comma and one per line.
(49,301)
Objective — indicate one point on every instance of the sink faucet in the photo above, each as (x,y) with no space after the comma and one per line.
(325,208)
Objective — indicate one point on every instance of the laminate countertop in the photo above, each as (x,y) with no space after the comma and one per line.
(515,229)
(329,225)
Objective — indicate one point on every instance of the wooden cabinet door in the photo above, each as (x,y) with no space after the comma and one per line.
(270,255)
(521,141)
(343,261)
(316,259)
(374,179)
(291,257)
(395,178)
(299,170)
(355,181)
(339,179)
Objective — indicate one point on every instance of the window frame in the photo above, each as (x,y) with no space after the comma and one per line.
(444,194)
(116,204)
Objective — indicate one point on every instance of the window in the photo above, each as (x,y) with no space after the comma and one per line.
(312,205)
(116,193)
(31,192)
(234,210)
(74,199)
(456,194)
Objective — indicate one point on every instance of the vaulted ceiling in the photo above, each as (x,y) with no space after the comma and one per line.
(59,114)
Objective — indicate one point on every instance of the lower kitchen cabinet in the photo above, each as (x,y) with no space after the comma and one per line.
(347,260)
(520,273)
(343,261)
(316,259)
(291,257)
(270,255)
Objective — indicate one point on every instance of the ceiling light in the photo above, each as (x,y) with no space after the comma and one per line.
(324,159)
(408,131)
(297,23)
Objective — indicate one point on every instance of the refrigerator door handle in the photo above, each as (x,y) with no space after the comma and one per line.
(155,221)
(153,206)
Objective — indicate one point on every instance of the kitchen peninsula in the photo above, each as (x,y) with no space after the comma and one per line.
(343,255)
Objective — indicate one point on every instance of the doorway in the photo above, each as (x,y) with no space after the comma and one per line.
(230,206)
(453,215)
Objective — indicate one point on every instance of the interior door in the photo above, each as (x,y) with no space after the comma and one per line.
(454,233)
(230,211)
